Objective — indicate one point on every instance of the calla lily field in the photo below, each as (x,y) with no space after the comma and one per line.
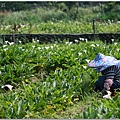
(52,79)
(49,78)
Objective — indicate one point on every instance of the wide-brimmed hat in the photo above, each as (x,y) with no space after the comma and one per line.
(101,62)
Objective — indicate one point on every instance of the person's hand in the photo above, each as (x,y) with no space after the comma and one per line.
(108,83)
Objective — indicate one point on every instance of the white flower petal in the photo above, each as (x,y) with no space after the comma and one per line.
(10,87)
(108,95)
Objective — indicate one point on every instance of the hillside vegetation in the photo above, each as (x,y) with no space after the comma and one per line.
(57,20)
(67,10)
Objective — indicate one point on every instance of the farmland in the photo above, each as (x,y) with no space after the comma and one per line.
(48,78)
(61,27)
(58,21)
(53,80)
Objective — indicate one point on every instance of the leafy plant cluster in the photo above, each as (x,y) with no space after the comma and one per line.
(50,77)
(61,27)
(58,21)
(74,10)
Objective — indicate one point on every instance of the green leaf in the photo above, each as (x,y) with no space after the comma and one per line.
(20,103)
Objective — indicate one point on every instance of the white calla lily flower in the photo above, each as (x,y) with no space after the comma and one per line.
(108,96)
(10,87)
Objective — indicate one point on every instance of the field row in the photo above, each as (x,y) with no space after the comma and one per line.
(61,27)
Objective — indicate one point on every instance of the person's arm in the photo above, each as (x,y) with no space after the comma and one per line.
(110,75)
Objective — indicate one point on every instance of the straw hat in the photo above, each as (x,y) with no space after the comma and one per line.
(101,62)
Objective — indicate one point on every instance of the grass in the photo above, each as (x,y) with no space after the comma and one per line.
(73,111)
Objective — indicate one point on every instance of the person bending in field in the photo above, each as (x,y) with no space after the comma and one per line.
(110,70)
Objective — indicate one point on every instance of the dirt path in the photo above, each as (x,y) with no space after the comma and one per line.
(76,109)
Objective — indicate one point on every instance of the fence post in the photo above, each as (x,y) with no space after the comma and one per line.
(94,30)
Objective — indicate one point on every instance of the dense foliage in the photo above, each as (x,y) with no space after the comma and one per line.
(69,10)
(61,27)
(57,21)
(50,77)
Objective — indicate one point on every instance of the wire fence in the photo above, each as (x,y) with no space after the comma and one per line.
(46,38)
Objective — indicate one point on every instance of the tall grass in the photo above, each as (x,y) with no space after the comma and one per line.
(34,16)
(43,14)
(45,20)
